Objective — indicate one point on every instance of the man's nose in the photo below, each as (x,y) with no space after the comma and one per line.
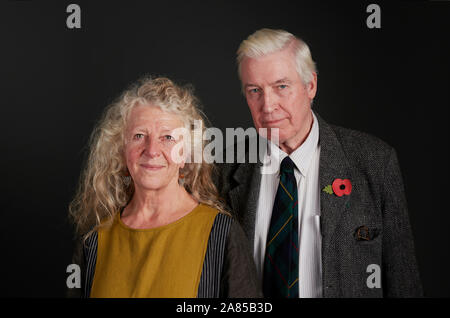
(269,102)
(152,147)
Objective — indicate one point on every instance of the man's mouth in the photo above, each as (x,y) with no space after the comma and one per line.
(272,122)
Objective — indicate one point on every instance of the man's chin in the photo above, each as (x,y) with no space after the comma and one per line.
(277,140)
(269,131)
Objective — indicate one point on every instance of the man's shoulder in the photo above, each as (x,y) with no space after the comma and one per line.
(361,148)
(350,138)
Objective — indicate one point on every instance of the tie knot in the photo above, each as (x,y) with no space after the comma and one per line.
(287,165)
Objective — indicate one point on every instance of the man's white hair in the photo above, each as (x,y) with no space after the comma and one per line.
(266,41)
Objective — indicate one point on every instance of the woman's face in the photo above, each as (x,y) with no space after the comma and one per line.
(149,141)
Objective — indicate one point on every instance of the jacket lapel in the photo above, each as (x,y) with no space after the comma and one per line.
(333,165)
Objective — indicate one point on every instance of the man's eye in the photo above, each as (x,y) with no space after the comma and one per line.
(254,90)
(138,136)
(168,138)
(282,86)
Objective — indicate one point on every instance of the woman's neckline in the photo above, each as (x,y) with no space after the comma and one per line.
(158,228)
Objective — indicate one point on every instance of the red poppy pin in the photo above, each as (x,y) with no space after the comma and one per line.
(339,187)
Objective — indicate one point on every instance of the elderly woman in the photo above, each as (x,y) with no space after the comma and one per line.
(149,220)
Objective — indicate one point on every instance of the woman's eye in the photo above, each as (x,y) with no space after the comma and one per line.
(138,136)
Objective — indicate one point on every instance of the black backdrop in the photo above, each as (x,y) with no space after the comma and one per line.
(391,82)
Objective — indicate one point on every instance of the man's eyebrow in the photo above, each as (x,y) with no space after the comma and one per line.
(250,84)
(283,80)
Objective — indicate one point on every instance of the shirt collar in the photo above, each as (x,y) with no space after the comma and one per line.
(301,156)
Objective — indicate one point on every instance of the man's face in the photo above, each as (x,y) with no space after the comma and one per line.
(277,96)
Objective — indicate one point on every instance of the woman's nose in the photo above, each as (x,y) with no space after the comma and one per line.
(152,147)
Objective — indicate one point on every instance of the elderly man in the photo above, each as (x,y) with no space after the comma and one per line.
(332,221)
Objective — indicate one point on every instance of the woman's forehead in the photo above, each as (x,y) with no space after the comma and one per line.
(152,116)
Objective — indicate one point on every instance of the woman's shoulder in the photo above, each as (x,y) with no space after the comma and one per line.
(218,214)
(222,222)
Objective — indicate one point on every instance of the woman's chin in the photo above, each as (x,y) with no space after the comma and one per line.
(150,185)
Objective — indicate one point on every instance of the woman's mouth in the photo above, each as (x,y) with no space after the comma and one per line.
(151,167)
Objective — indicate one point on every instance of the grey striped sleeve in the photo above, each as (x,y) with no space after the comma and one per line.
(90,255)
(209,286)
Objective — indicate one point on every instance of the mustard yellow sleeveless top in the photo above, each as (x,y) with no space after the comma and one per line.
(165,262)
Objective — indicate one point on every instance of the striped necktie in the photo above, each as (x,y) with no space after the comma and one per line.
(281,260)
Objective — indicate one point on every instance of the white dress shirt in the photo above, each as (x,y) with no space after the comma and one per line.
(306,159)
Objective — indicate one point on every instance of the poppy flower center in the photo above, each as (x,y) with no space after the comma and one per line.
(342,187)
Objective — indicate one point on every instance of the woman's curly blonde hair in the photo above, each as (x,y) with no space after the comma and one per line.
(102,191)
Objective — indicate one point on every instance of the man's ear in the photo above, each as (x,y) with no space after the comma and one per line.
(311,87)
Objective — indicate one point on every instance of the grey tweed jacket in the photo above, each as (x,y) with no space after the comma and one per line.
(377,204)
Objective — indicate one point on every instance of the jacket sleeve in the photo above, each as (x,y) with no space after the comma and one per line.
(400,271)
(239,279)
